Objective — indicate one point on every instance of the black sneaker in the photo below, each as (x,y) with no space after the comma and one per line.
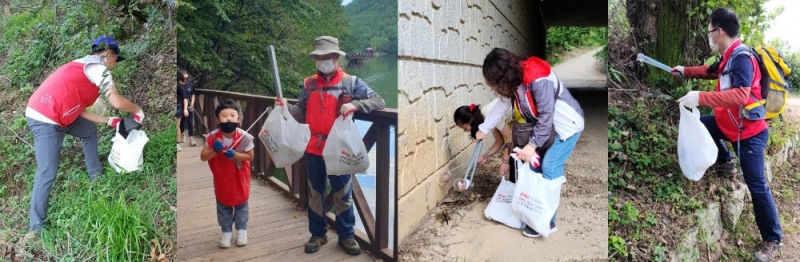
(768,250)
(529,232)
(315,243)
(350,245)
(726,168)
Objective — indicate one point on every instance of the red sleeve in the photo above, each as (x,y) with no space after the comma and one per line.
(727,98)
(698,72)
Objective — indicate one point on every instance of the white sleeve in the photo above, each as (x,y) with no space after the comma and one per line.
(250,146)
(495,115)
(99,76)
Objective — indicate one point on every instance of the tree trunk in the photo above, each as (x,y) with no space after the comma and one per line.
(663,30)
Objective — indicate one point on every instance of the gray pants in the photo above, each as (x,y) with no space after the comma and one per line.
(47,142)
(226,216)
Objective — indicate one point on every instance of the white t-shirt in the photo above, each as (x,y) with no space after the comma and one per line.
(228,141)
(95,71)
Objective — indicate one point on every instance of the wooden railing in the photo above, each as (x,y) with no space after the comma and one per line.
(376,237)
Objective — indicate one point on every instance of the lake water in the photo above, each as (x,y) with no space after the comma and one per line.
(380,74)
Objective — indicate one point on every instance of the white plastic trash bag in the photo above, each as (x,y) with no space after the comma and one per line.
(499,208)
(284,138)
(696,150)
(345,152)
(126,153)
(536,198)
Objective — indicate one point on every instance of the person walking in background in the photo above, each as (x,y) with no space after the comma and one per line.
(326,95)
(181,106)
(738,85)
(58,107)
(187,119)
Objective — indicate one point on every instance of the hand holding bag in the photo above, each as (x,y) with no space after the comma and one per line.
(284,138)
(345,152)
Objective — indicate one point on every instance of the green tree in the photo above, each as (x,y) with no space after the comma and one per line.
(370,19)
(673,32)
(223,43)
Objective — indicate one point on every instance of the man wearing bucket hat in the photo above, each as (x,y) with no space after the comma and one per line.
(58,107)
(327,94)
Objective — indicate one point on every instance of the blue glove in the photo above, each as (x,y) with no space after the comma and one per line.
(230,153)
(218,146)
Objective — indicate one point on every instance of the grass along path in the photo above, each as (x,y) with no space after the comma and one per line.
(118,217)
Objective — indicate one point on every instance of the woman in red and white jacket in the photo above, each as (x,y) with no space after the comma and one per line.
(534,89)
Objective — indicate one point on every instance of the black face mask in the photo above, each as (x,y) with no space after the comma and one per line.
(228,127)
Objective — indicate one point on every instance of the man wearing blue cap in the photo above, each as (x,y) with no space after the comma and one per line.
(58,107)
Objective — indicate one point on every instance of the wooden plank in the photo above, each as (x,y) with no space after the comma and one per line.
(364,211)
(382,189)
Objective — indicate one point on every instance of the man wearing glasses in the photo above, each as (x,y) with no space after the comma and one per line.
(738,85)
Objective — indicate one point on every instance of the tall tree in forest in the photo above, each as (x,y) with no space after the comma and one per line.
(674,32)
(223,43)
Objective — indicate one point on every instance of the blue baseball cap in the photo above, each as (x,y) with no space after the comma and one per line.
(105,43)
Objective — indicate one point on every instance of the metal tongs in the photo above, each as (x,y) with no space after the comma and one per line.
(464,183)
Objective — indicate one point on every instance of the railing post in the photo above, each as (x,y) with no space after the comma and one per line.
(383,176)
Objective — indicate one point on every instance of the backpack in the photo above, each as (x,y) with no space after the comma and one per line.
(774,86)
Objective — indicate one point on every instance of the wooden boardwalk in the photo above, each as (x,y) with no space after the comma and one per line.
(277,227)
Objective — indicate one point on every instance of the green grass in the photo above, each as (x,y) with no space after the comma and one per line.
(118,217)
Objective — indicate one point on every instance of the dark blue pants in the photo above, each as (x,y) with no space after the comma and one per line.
(227,216)
(341,188)
(751,160)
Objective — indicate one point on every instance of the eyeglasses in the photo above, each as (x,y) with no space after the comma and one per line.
(712,30)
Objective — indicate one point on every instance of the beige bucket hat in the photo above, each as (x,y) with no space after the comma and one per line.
(324,45)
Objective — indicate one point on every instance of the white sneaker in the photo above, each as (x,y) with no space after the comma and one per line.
(225,241)
(179,147)
(241,237)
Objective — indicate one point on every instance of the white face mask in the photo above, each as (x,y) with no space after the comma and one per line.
(326,66)
(714,46)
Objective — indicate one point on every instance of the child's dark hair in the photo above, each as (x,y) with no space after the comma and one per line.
(226,104)
(181,78)
(471,115)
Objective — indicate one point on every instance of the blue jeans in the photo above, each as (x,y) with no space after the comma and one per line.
(554,159)
(751,160)
(227,216)
(47,142)
(342,190)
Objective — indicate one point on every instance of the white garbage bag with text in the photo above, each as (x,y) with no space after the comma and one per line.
(536,198)
(499,208)
(284,138)
(345,152)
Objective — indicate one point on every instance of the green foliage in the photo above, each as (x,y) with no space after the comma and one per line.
(659,253)
(373,23)
(616,244)
(223,43)
(561,40)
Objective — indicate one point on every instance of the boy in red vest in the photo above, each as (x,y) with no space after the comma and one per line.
(228,151)
(327,94)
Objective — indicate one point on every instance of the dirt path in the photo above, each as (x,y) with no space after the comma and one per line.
(458,229)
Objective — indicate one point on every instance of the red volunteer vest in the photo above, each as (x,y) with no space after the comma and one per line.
(533,69)
(727,125)
(64,95)
(322,107)
(231,184)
